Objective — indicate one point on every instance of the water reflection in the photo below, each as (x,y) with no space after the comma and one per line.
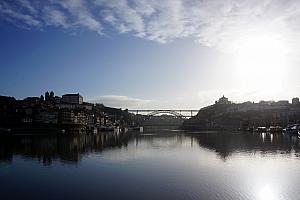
(153,165)
(225,144)
(267,193)
(71,149)
(66,149)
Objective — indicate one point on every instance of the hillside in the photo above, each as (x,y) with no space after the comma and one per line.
(242,116)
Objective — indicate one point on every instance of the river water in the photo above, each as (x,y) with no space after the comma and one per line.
(152,165)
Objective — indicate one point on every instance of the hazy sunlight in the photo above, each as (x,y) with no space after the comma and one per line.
(266,193)
(260,58)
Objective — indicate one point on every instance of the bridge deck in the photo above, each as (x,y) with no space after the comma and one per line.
(183,113)
(161,110)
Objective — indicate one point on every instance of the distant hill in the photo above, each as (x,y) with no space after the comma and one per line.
(246,115)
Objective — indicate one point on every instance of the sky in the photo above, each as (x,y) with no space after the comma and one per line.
(149,54)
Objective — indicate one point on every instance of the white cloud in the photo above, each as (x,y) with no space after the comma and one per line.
(122,16)
(83,16)
(217,23)
(55,17)
(121,101)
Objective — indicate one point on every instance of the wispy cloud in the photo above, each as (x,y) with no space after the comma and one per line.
(209,22)
(121,101)
(79,9)
(28,6)
(54,17)
(9,13)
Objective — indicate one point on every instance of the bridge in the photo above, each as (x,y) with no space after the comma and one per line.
(181,113)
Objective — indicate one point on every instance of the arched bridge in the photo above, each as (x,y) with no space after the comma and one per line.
(184,113)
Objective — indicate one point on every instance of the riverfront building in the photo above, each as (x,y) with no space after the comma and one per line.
(241,116)
(72,98)
(68,112)
(295,101)
(223,100)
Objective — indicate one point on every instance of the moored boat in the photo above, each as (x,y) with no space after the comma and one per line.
(275,129)
(293,129)
(5,131)
(261,129)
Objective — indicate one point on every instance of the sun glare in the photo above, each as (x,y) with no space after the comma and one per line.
(260,62)
(266,193)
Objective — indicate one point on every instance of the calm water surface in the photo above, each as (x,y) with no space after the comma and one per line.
(153,165)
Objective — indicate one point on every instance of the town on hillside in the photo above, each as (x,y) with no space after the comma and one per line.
(71,114)
(55,114)
(226,115)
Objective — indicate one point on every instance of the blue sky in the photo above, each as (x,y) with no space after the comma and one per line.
(150,54)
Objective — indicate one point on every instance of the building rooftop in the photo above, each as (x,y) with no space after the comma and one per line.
(223,97)
(223,100)
(72,94)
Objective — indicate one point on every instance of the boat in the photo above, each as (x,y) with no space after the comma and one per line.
(107,129)
(293,129)
(275,129)
(5,131)
(261,129)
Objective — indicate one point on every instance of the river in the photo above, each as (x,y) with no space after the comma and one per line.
(151,165)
